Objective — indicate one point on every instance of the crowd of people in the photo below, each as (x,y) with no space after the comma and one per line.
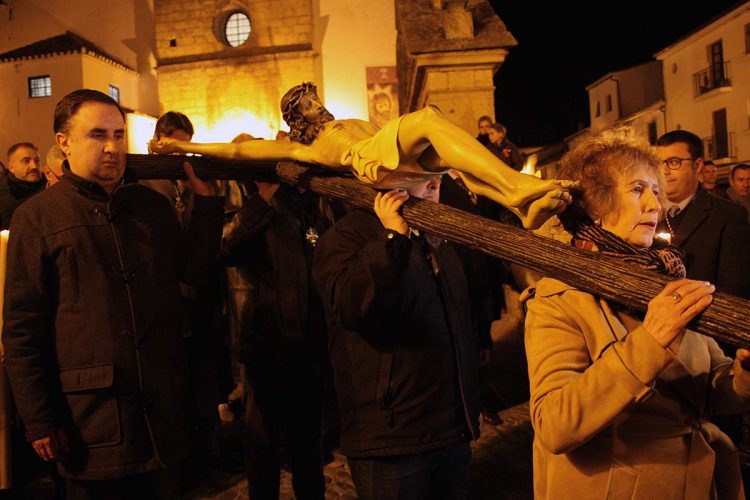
(133,309)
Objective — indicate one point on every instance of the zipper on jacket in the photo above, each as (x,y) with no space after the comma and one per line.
(383,386)
(136,344)
(457,354)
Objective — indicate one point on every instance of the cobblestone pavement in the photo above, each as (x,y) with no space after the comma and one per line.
(501,468)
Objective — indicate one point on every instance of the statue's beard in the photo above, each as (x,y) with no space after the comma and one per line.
(305,132)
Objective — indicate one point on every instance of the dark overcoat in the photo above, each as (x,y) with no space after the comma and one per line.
(715,236)
(92,321)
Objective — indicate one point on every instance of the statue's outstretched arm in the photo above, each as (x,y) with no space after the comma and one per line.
(278,150)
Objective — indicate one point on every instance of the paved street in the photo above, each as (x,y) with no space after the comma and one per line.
(501,468)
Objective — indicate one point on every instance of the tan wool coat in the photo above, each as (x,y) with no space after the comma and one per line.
(617,416)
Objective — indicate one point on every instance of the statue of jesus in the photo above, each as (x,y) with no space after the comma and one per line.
(402,153)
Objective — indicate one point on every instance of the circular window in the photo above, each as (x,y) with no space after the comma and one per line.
(237,29)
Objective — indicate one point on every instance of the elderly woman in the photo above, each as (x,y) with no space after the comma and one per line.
(620,401)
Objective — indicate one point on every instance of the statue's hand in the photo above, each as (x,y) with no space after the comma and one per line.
(163,146)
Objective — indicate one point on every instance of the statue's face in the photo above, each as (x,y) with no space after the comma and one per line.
(311,108)
(383,106)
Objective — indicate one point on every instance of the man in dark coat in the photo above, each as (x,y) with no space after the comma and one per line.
(712,232)
(280,334)
(403,351)
(92,316)
(22,179)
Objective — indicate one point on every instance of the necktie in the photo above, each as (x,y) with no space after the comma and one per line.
(673,211)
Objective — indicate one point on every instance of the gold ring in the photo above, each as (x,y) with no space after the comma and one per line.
(677,297)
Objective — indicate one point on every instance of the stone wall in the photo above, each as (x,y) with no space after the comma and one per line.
(215,93)
(226,90)
(448,53)
(190,25)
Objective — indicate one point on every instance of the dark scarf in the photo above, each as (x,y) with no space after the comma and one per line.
(666,260)
(21,189)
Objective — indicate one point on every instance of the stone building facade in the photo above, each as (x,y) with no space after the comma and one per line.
(448,54)
(228,89)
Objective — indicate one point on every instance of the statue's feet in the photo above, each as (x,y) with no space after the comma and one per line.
(535,213)
(529,188)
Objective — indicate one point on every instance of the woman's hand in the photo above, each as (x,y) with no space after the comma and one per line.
(387,207)
(669,312)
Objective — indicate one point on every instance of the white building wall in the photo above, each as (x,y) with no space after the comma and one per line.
(681,61)
(30,119)
(122,28)
(353,35)
(598,94)
(99,75)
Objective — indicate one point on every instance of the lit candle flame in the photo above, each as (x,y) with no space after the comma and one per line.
(664,236)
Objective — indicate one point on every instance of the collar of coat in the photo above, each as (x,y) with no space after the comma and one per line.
(21,189)
(545,287)
(92,189)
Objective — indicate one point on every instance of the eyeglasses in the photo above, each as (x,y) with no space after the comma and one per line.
(675,163)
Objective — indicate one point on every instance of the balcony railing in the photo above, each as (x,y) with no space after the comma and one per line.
(709,79)
(717,147)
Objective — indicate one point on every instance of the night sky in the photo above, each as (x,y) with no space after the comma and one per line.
(540,89)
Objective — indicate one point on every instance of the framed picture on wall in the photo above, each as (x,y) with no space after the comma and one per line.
(382,94)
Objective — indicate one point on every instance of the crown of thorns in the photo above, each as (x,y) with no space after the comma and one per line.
(292,97)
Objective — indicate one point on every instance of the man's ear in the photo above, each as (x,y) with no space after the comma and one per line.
(62,141)
(698,166)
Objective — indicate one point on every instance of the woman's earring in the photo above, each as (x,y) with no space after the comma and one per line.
(598,222)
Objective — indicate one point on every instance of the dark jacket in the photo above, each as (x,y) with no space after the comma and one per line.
(92,321)
(509,154)
(475,263)
(272,305)
(12,192)
(404,355)
(715,236)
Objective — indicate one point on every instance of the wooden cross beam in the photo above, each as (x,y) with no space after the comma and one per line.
(727,319)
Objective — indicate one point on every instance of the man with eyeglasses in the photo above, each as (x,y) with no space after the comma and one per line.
(712,232)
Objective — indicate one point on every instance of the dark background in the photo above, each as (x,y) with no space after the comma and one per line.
(540,91)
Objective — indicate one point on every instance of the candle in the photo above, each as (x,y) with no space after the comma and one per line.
(6,470)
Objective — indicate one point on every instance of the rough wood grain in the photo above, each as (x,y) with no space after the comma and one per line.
(170,167)
(727,319)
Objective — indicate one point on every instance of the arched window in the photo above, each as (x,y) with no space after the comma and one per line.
(237,29)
